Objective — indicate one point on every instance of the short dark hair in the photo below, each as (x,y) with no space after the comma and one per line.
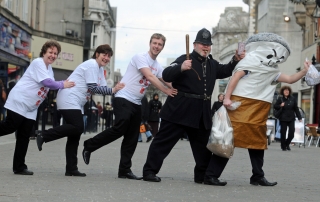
(49,44)
(285,88)
(105,48)
(158,36)
(220,94)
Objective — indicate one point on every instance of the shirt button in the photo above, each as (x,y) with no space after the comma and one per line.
(205,89)
(205,84)
(205,80)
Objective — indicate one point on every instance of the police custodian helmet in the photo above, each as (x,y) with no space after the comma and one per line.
(203,37)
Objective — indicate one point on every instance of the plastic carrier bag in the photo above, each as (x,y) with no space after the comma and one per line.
(313,76)
(221,138)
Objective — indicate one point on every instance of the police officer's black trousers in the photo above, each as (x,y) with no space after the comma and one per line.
(217,165)
(127,124)
(168,135)
(23,126)
(72,129)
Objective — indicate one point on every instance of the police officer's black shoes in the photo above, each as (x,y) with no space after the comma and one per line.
(151,178)
(24,172)
(263,182)
(86,156)
(214,181)
(75,173)
(288,148)
(40,141)
(129,175)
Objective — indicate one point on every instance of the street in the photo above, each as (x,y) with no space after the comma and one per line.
(296,171)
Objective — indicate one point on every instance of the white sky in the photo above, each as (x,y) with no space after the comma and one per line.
(137,20)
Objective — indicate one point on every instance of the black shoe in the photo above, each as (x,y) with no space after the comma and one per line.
(86,156)
(152,178)
(284,149)
(263,182)
(24,172)
(214,181)
(130,176)
(198,181)
(149,139)
(40,141)
(288,148)
(75,173)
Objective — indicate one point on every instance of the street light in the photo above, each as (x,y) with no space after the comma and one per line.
(286,18)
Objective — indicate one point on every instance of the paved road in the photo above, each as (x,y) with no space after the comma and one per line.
(297,174)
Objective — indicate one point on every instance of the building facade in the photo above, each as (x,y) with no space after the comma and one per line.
(232,28)
(99,23)
(307,17)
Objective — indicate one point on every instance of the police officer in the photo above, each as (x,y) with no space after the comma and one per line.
(190,111)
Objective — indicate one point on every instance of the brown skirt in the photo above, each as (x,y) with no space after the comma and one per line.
(249,123)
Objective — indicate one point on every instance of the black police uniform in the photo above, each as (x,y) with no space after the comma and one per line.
(189,111)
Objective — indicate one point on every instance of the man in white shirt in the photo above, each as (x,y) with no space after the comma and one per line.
(142,71)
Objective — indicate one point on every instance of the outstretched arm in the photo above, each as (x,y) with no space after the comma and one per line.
(295,77)
(54,85)
(157,83)
(231,86)
(104,90)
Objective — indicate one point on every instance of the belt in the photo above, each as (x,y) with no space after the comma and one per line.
(203,97)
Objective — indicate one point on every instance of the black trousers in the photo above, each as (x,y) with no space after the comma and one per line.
(286,141)
(154,126)
(23,126)
(217,165)
(72,130)
(168,135)
(127,124)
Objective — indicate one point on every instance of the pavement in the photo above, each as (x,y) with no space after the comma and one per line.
(296,171)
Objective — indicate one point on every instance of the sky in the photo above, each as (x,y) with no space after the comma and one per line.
(137,20)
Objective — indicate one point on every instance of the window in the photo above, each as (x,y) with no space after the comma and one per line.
(25,11)
(94,41)
(8,4)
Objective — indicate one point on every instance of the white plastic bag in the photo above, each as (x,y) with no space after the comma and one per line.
(313,76)
(221,138)
(234,105)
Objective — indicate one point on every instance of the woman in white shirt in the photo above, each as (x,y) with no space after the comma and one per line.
(24,99)
(89,79)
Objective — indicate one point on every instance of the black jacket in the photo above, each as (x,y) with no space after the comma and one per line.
(188,111)
(154,107)
(216,105)
(289,110)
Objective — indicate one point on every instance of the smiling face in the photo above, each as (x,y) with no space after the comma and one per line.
(203,49)
(156,46)
(50,56)
(102,59)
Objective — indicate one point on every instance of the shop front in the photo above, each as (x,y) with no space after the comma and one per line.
(307,97)
(15,44)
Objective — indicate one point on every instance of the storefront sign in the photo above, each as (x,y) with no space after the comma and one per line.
(13,39)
